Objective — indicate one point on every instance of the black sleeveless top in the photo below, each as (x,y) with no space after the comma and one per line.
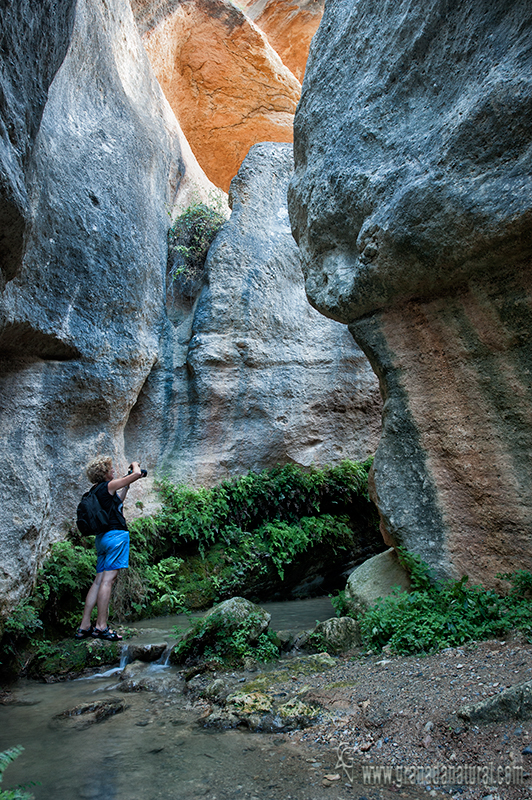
(112,504)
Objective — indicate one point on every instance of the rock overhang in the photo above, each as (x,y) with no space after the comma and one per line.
(426,152)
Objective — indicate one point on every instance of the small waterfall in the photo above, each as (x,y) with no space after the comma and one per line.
(163,660)
(124,656)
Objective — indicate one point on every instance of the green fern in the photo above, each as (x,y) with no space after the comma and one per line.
(7,758)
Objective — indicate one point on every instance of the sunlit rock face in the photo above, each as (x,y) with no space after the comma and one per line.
(256,376)
(226,84)
(411,203)
(91,162)
(289,26)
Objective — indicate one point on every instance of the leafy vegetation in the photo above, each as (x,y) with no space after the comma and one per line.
(438,614)
(221,637)
(189,239)
(6,758)
(251,536)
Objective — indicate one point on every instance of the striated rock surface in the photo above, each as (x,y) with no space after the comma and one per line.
(226,84)
(47,31)
(91,161)
(411,203)
(289,26)
(257,376)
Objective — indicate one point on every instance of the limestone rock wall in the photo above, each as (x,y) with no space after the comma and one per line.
(21,105)
(91,159)
(99,352)
(226,84)
(411,203)
(289,26)
(255,375)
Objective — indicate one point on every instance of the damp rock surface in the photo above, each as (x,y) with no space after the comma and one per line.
(86,714)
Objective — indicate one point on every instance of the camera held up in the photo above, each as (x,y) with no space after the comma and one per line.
(143,472)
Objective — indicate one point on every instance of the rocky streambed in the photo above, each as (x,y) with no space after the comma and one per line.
(305,726)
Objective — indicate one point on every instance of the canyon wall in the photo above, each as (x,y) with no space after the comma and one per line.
(411,203)
(99,352)
(251,375)
(91,158)
(226,84)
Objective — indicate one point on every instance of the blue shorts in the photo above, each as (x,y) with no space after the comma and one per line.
(112,549)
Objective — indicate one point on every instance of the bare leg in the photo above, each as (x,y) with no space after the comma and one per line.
(90,602)
(104,595)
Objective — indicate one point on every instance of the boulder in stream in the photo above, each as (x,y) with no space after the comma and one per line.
(145,652)
(86,714)
(214,634)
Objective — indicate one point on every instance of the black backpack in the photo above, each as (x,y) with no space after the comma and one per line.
(91,518)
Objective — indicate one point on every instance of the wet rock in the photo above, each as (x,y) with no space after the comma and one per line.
(297,714)
(263,712)
(336,635)
(68,658)
(242,94)
(411,207)
(143,677)
(292,668)
(145,652)
(86,714)
(216,690)
(376,577)
(217,627)
(249,702)
(512,703)
(133,678)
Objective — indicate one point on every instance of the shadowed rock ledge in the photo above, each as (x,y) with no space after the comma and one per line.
(411,204)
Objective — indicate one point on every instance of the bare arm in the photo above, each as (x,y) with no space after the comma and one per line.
(123,483)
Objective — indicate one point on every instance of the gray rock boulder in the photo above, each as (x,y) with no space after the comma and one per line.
(512,703)
(411,204)
(377,577)
(254,376)
(336,635)
(144,652)
(90,160)
(46,30)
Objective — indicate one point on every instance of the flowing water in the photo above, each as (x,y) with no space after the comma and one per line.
(156,748)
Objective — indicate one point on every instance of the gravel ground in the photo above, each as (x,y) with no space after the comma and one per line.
(400,712)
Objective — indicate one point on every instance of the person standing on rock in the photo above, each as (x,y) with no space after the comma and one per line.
(112,544)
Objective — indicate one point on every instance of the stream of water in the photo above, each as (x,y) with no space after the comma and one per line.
(156,748)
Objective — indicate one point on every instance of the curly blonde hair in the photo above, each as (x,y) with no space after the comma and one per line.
(98,468)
